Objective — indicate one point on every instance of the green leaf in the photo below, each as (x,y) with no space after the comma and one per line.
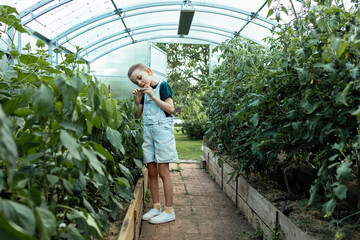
(100,149)
(339,47)
(124,192)
(138,163)
(309,108)
(88,205)
(285,10)
(2,180)
(94,162)
(10,106)
(357,114)
(340,191)
(8,148)
(10,230)
(67,185)
(115,139)
(52,179)
(76,83)
(23,112)
(84,215)
(70,144)
(126,172)
(270,12)
(45,222)
(40,43)
(269,3)
(339,146)
(44,99)
(345,91)
(255,119)
(123,182)
(344,172)
(333,157)
(329,206)
(19,214)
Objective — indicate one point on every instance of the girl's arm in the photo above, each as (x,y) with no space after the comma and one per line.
(167,105)
(139,95)
(139,111)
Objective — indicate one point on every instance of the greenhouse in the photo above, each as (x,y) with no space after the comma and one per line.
(265,99)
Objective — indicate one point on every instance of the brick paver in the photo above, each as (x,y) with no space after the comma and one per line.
(202,210)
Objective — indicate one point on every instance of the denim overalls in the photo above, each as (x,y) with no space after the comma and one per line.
(159,141)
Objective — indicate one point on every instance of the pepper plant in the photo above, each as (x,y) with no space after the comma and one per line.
(69,153)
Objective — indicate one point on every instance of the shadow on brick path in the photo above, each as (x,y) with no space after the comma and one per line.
(202,210)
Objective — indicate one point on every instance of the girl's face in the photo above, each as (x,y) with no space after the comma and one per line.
(141,78)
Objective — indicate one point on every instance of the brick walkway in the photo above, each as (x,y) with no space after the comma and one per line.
(202,210)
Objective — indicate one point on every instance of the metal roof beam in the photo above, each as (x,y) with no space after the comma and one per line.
(149,5)
(148,39)
(252,17)
(148,11)
(34,7)
(31,9)
(159,25)
(122,19)
(103,43)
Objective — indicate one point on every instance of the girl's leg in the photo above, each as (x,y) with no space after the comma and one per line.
(154,183)
(164,172)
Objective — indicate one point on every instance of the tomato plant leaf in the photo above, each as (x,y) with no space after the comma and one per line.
(344,172)
(329,206)
(340,191)
(271,11)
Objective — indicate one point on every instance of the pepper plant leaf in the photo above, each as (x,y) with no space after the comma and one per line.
(45,222)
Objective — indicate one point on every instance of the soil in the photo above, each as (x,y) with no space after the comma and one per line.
(309,219)
(115,226)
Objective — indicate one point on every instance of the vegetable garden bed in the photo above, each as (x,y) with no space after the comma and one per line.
(260,212)
(128,227)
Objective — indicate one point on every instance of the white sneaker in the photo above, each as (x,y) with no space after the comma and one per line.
(150,214)
(163,218)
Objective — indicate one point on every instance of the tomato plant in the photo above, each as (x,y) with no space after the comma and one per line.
(299,94)
(69,154)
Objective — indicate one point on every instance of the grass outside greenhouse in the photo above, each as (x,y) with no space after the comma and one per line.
(188,149)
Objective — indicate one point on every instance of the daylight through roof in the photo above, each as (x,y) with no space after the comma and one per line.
(100,27)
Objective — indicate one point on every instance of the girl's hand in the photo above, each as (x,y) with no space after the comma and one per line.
(139,95)
(148,90)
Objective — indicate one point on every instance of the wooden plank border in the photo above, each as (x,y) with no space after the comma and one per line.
(259,212)
(130,229)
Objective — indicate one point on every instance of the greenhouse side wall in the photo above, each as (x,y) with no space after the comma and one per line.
(112,69)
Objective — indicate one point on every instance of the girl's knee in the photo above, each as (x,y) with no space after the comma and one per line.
(164,171)
(153,170)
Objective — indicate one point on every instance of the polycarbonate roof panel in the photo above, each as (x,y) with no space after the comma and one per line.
(102,26)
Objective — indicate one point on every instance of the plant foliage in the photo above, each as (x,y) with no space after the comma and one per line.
(300,94)
(69,153)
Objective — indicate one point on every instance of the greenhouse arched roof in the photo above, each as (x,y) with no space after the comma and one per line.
(102,26)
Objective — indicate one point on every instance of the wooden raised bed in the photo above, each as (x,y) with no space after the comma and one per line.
(258,210)
(130,229)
